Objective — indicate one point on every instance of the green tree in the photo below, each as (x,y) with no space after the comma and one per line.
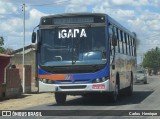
(152,59)
(1,41)
(2,50)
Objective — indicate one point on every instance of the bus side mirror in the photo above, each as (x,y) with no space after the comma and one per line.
(33,37)
(114,41)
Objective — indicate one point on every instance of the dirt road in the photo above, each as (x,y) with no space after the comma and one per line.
(26,100)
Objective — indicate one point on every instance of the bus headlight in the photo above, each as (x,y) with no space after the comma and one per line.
(104,79)
(45,81)
(99,80)
(50,81)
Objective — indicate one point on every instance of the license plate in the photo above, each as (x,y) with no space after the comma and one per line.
(98,86)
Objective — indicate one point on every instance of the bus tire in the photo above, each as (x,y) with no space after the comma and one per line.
(145,82)
(130,88)
(60,98)
(114,95)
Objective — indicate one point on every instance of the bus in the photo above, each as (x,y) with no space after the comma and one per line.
(84,54)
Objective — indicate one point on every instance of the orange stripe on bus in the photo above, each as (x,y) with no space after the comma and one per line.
(53,76)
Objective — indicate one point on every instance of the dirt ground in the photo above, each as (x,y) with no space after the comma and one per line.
(26,100)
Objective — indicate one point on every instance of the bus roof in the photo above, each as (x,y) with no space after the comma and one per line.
(74,14)
(109,19)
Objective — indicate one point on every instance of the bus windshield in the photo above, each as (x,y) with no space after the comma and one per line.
(73,46)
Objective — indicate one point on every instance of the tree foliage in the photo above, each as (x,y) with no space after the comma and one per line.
(152,59)
(2,49)
(1,44)
(1,41)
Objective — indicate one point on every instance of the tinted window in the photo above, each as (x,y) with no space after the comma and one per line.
(81,45)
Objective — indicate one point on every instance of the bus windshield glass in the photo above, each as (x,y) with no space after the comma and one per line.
(73,46)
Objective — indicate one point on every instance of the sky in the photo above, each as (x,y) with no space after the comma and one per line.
(139,16)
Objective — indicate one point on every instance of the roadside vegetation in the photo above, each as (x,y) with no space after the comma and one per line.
(2,49)
(151,60)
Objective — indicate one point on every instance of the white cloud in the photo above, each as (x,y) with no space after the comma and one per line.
(148,21)
(147,28)
(34,18)
(12,24)
(114,3)
(155,3)
(115,12)
(7,8)
(82,2)
(79,5)
(130,2)
(122,2)
(73,8)
(131,15)
(125,13)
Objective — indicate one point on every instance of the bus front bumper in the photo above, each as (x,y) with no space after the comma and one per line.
(92,87)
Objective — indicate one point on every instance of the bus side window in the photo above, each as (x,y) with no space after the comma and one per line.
(126,42)
(134,46)
(110,39)
(118,40)
(116,35)
(129,44)
(122,42)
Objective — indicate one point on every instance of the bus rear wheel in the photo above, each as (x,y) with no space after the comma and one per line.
(60,98)
(130,89)
(114,94)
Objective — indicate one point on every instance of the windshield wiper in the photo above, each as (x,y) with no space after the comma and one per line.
(74,56)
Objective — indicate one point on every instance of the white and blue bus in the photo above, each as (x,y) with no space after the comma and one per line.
(83,54)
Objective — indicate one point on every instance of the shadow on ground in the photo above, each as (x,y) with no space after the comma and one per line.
(136,98)
(14,97)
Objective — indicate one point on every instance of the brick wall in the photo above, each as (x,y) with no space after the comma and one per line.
(28,76)
(4,61)
(30,59)
(13,83)
(2,90)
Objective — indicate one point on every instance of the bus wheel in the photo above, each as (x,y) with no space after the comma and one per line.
(145,82)
(114,94)
(60,98)
(130,89)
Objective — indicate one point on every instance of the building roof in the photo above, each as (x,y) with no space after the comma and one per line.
(4,55)
(26,48)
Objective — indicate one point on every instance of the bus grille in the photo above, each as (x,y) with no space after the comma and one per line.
(73,87)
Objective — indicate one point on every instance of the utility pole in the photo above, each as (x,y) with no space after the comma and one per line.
(23,9)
